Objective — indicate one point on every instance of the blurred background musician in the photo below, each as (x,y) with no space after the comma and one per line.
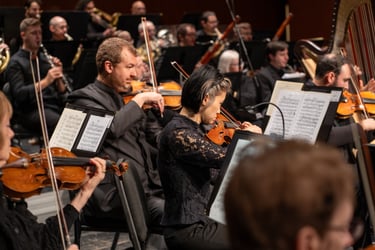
(19,74)
(58,27)
(33,8)
(186,34)
(208,33)
(138,8)
(276,61)
(244,91)
(98,28)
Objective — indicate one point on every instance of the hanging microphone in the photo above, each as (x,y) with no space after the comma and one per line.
(251,110)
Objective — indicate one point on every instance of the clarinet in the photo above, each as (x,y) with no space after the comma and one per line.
(63,78)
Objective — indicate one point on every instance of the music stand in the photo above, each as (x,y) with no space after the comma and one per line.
(241,140)
(130,23)
(187,57)
(77,21)
(64,50)
(256,51)
(10,19)
(326,126)
(193,18)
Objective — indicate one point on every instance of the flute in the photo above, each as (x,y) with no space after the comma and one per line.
(63,78)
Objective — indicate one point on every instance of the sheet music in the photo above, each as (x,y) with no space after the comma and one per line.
(303,112)
(93,133)
(67,128)
(217,208)
(280,85)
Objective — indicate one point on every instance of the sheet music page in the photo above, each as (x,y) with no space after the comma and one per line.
(93,133)
(217,208)
(67,128)
(279,85)
(303,112)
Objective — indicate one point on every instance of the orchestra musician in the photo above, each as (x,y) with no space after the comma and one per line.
(334,70)
(116,62)
(138,8)
(98,29)
(58,27)
(186,35)
(244,91)
(19,228)
(276,61)
(21,73)
(209,22)
(33,8)
(186,159)
(302,190)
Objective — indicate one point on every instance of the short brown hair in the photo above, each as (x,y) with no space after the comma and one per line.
(110,50)
(287,186)
(29,22)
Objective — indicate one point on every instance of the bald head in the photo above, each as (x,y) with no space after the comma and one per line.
(58,27)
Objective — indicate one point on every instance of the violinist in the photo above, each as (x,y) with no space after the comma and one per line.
(116,62)
(334,70)
(19,229)
(186,159)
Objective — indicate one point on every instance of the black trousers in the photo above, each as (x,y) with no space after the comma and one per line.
(199,236)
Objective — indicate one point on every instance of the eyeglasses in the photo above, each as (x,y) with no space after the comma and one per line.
(356,228)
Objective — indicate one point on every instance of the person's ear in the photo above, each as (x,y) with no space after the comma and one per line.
(205,100)
(307,238)
(330,77)
(108,66)
(22,34)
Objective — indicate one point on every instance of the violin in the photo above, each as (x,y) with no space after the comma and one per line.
(352,103)
(26,175)
(222,132)
(171,92)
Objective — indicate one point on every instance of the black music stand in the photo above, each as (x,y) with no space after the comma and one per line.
(77,21)
(10,19)
(187,57)
(64,50)
(256,51)
(329,118)
(130,23)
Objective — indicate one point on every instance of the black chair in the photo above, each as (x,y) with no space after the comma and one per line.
(134,204)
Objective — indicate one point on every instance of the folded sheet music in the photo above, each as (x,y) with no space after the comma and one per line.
(81,129)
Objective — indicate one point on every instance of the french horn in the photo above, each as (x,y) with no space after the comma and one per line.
(4,56)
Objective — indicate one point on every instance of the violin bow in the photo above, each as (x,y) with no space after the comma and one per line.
(64,231)
(149,54)
(150,57)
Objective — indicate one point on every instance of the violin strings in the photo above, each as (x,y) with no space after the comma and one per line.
(39,94)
